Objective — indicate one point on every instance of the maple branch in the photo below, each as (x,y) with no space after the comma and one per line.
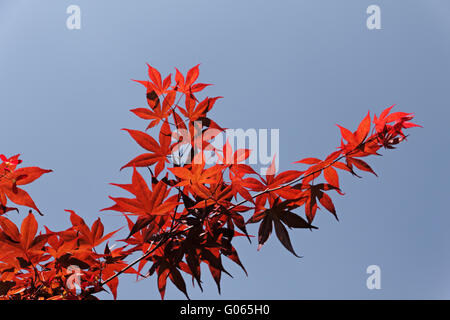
(286,184)
(303,177)
(176,103)
(171,233)
(163,240)
(145,255)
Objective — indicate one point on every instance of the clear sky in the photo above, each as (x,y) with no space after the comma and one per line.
(297,66)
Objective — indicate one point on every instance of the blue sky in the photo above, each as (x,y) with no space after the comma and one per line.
(298,66)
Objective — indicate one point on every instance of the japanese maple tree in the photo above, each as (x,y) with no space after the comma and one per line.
(181,211)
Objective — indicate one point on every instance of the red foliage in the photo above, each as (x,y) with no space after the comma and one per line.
(188,212)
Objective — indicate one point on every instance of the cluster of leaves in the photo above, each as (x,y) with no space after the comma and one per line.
(188,212)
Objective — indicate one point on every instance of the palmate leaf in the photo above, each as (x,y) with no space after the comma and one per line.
(11,177)
(159,152)
(274,218)
(93,236)
(147,203)
(24,245)
(188,85)
(157,112)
